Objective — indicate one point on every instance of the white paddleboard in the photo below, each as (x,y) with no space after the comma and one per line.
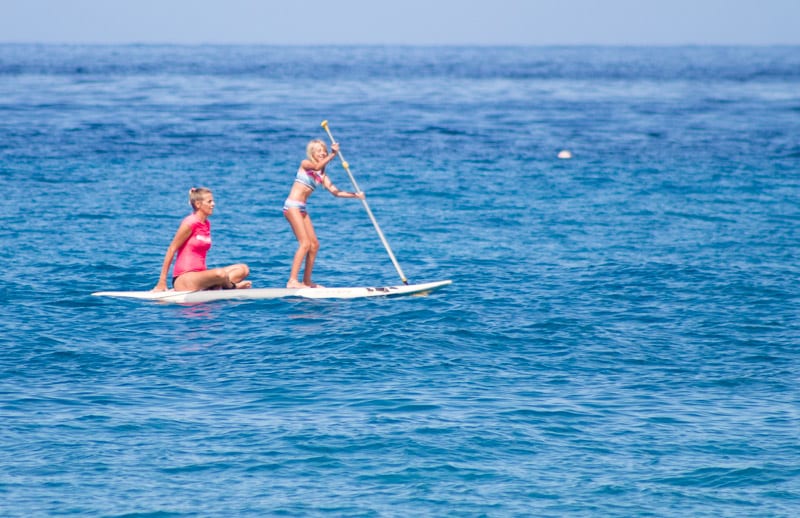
(275,293)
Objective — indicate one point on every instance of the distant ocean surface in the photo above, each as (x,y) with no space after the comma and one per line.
(621,338)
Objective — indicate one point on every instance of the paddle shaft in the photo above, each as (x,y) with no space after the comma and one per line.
(369,211)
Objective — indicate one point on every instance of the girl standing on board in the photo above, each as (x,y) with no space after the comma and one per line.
(310,174)
(191,243)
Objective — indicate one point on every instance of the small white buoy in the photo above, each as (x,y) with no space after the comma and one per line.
(564,154)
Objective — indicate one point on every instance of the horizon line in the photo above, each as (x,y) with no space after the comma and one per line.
(419,45)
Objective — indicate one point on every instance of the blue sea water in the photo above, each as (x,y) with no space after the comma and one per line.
(622,336)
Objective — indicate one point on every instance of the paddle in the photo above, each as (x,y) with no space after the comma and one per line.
(366,206)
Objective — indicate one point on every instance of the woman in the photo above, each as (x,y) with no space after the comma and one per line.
(310,174)
(191,243)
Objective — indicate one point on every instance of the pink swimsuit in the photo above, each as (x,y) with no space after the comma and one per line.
(192,255)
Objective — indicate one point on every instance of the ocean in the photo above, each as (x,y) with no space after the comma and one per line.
(621,338)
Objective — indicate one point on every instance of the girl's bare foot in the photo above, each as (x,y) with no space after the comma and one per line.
(293,284)
(243,285)
(314,285)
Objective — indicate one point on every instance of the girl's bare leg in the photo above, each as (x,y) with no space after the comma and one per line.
(297,221)
(311,256)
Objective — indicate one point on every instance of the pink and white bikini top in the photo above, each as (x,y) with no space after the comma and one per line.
(309,177)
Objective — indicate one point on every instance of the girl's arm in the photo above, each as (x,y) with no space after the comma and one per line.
(326,181)
(183,233)
(319,166)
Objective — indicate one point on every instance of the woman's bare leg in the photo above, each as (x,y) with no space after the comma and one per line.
(194,281)
(237,273)
(214,279)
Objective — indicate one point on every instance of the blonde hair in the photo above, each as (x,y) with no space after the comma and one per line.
(196,195)
(313,144)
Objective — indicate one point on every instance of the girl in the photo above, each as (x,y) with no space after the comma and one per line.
(191,243)
(310,174)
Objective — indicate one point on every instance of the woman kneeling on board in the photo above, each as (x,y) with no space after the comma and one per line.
(310,174)
(191,243)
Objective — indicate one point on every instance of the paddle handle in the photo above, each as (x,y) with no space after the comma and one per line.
(366,207)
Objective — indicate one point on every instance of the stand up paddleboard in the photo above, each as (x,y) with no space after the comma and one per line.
(307,293)
(189,297)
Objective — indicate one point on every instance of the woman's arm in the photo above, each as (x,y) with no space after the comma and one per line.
(183,233)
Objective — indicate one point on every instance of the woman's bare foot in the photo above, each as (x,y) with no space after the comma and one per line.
(314,285)
(293,284)
(243,285)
